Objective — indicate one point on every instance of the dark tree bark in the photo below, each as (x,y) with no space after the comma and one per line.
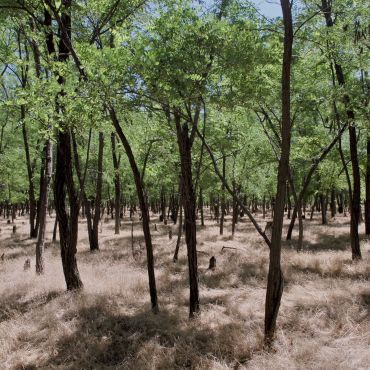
(201,205)
(30,167)
(323,203)
(163,206)
(367,180)
(94,245)
(355,204)
(43,207)
(189,203)
(117,185)
(68,224)
(31,186)
(333,205)
(143,206)
(179,233)
(289,203)
(275,275)
(236,190)
(81,179)
(222,219)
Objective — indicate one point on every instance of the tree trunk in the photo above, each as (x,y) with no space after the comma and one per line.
(275,275)
(367,200)
(94,246)
(117,185)
(355,203)
(289,203)
(189,203)
(201,205)
(323,202)
(235,209)
(143,206)
(333,205)
(68,224)
(163,207)
(179,234)
(43,207)
(31,187)
(223,196)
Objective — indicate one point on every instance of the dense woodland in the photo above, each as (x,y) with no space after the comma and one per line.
(180,118)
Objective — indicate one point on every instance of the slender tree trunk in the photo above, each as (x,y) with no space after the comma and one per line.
(323,203)
(117,185)
(43,207)
(189,203)
(235,209)
(367,201)
(223,196)
(163,206)
(179,234)
(55,229)
(31,187)
(143,206)
(68,224)
(201,205)
(289,203)
(333,206)
(356,188)
(94,246)
(275,276)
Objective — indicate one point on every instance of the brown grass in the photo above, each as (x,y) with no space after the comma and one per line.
(324,320)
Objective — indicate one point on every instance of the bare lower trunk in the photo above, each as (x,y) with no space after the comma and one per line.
(68,224)
(117,185)
(201,205)
(94,245)
(43,207)
(223,197)
(189,203)
(179,234)
(367,200)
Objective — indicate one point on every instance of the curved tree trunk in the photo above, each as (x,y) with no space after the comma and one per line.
(31,187)
(143,206)
(275,276)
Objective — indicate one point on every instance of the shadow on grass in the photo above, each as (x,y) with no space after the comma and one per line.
(14,304)
(324,243)
(105,338)
(365,299)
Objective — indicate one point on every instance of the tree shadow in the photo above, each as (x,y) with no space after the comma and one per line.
(324,243)
(14,304)
(365,299)
(105,338)
(250,271)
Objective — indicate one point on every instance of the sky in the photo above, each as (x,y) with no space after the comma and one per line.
(269,8)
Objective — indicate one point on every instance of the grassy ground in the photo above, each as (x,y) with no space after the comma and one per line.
(324,320)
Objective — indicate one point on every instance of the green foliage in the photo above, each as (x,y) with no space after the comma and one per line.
(223,58)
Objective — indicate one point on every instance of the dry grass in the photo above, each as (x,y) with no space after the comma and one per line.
(324,320)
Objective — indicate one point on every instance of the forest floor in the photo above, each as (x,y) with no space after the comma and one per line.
(324,319)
